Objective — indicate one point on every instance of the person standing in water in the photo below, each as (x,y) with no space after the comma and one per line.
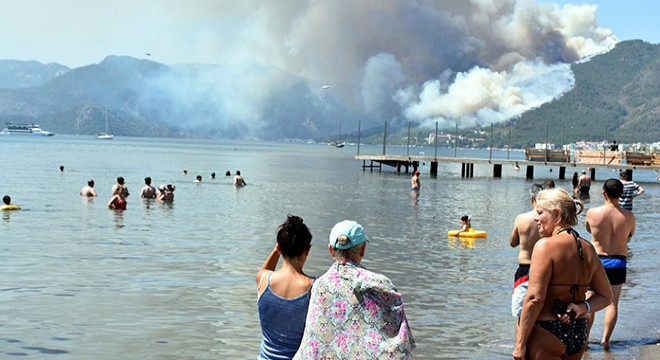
(415,183)
(611,228)
(238,180)
(553,321)
(118,201)
(525,234)
(631,190)
(120,185)
(584,184)
(148,191)
(89,189)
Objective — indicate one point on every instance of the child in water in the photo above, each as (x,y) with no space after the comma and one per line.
(465,222)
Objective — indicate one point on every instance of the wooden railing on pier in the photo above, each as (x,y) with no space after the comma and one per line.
(598,157)
(593,157)
(548,155)
(638,158)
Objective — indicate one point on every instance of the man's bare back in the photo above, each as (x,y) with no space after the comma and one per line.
(611,228)
(525,234)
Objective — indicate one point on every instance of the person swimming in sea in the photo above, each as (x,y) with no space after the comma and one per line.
(7,205)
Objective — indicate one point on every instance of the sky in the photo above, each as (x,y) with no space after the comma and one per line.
(471,63)
(81,32)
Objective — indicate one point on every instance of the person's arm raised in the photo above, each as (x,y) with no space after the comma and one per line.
(269,265)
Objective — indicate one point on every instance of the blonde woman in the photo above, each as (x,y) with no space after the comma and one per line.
(553,323)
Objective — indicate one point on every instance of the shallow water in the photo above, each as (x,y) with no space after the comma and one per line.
(177,281)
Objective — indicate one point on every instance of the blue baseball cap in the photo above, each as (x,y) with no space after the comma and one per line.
(350,229)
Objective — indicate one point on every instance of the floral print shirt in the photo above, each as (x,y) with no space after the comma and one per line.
(355,314)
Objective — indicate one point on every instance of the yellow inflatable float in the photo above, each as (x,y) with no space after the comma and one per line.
(9,207)
(472,233)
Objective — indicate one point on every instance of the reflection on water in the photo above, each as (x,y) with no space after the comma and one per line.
(176,280)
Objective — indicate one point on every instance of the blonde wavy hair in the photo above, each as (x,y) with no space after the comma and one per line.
(558,199)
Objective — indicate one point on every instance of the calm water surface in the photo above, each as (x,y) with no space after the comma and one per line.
(79,281)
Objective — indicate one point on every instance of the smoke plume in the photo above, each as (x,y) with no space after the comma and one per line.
(318,63)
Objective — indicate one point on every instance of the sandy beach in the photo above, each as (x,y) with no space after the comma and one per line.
(649,352)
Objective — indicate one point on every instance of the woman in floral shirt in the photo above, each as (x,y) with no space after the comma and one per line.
(354,313)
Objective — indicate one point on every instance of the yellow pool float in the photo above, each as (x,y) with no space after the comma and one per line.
(472,233)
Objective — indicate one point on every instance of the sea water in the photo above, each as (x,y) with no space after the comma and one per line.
(177,281)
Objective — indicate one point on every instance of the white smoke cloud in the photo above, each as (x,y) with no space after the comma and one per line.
(466,62)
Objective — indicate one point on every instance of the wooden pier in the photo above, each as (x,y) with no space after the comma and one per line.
(608,158)
(404,163)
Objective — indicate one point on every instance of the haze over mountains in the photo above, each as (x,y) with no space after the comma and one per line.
(614,93)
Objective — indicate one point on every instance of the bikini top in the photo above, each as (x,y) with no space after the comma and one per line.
(574,287)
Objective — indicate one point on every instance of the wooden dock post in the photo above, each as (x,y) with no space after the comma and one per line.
(529,172)
(371,165)
(562,173)
(434,168)
(497,170)
(467,170)
(593,174)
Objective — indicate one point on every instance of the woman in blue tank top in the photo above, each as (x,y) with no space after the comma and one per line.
(284,294)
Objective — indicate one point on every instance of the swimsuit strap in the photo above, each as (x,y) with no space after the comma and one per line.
(576,235)
(575,287)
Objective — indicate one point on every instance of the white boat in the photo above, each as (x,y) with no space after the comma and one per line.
(105,135)
(338,143)
(25,129)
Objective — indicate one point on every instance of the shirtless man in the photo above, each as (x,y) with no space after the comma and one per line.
(415,184)
(584,184)
(611,228)
(89,189)
(148,191)
(120,185)
(525,233)
(238,180)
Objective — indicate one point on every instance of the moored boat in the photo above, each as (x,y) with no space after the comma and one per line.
(25,129)
(105,135)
